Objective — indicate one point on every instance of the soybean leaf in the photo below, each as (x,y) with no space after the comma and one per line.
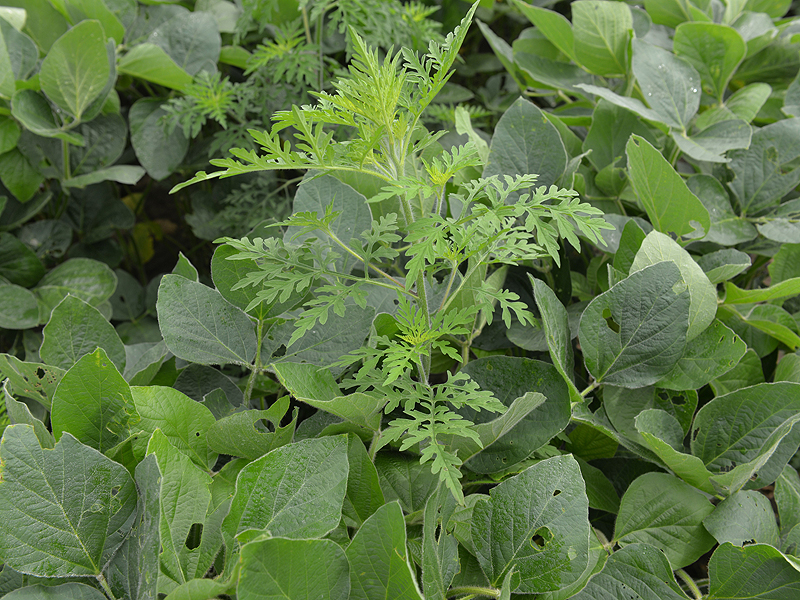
(296,569)
(18,308)
(32,380)
(439,552)
(364,495)
(611,128)
(84,278)
(184,422)
(724,264)
(727,228)
(661,510)
(658,247)
(241,434)
(669,204)
(18,263)
(150,62)
(191,40)
(744,517)
(76,69)
(623,405)
(754,571)
(554,26)
(127,174)
(536,522)
(65,591)
(668,12)
(633,343)
(787,497)
(782,290)
(404,479)
(72,494)
(747,372)
(713,49)
(712,142)
(637,569)
(601,33)
(379,565)
(525,141)
(295,491)
(20,412)
(159,152)
(200,326)
(93,403)
(19,176)
(76,329)
(143,361)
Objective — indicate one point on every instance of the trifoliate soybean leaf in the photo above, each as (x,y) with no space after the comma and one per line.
(788,368)
(18,308)
(525,141)
(636,571)
(658,247)
(710,355)
(787,497)
(755,571)
(635,333)
(32,380)
(19,412)
(439,548)
(785,231)
(295,491)
(294,570)
(599,489)
(200,326)
(19,176)
(739,427)
(364,495)
(133,572)
(536,522)
(747,102)
(668,12)
(243,433)
(150,62)
(713,49)
(661,510)
(201,589)
(554,26)
(379,564)
(510,378)
(764,173)
(785,264)
(76,69)
(65,591)
(127,174)
(22,53)
(629,243)
(782,290)
(669,84)
(502,51)
(669,204)
(723,264)
(159,152)
(727,229)
(556,327)
(128,300)
(747,372)
(611,127)
(72,494)
(403,478)
(602,31)
(76,329)
(196,381)
(191,40)
(761,326)
(631,104)
(93,403)
(743,518)
(90,280)
(9,134)
(184,422)
(143,360)
(317,387)
(190,527)
(623,405)
(711,143)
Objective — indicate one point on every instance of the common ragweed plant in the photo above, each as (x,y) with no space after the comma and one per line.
(439,252)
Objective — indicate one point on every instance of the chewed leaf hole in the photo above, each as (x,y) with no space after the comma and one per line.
(115,490)
(556,493)
(540,538)
(40,373)
(195,536)
(612,324)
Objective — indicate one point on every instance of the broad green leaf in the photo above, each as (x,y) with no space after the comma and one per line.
(775,322)
(9,134)
(774,8)
(724,264)
(660,510)
(65,591)
(502,51)
(788,368)
(185,268)
(317,387)
(711,143)
(76,69)
(97,9)
(668,12)
(755,571)
(32,380)
(787,497)
(22,50)
(765,172)
(19,176)
(76,329)
(404,479)
(555,323)
(525,141)
(364,495)
(629,243)
(84,278)
(105,139)
(93,403)
(666,199)
(658,247)
(747,372)
(72,494)
(601,34)
(509,378)
(743,518)
(786,231)
(203,589)
(127,174)
(611,128)
(599,490)
(295,491)
(747,425)
(238,434)
(184,422)
(294,570)
(623,405)
(714,50)
(554,26)
(747,102)
(200,326)
(633,344)
(379,565)
(159,152)
(670,85)
(191,40)
(727,228)
(7,75)
(18,308)
(32,110)
(150,62)
(636,571)
(631,104)
(536,522)
(710,355)
(196,381)
(133,572)
(20,412)
(546,73)
(789,288)
(185,503)
(439,548)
